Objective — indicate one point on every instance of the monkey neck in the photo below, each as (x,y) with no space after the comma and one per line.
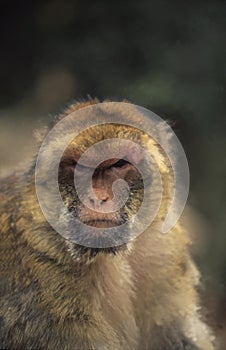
(108,279)
(111,276)
(110,292)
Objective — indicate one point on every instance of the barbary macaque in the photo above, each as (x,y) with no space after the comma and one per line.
(58,294)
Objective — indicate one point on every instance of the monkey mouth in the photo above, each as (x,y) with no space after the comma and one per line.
(106,231)
(101,223)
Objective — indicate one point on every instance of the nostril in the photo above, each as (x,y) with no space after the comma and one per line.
(96,202)
(104,200)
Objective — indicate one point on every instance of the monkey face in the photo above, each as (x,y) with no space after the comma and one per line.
(85,213)
(96,207)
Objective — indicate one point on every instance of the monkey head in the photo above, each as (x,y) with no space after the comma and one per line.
(104,174)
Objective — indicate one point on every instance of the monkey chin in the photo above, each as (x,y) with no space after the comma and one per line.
(98,241)
(98,223)
(87,255)
(91,253)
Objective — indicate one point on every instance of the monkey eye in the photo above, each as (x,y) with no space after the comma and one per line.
(120,163)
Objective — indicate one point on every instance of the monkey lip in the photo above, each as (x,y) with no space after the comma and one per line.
(101,223)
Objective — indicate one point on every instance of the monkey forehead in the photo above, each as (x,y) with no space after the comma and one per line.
(103,158)
(108,142)
(100,132)
(104,154)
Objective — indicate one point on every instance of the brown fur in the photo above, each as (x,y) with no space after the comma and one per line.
(53,297)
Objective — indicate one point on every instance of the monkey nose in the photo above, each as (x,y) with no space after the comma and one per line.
(98,199)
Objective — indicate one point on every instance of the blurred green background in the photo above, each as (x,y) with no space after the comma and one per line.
(169,56)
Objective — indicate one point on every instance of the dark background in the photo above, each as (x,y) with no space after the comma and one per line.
(168,56)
